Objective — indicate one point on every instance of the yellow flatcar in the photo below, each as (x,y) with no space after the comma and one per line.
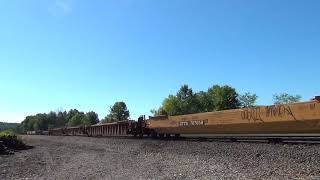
(295,118)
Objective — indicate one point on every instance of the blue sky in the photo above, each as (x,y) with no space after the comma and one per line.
(62,54)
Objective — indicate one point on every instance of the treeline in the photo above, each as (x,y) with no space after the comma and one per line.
(216,98)
(8,126)
(74,117)
(43,121)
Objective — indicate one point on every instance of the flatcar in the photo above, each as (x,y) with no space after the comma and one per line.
(295,118)
(101,129)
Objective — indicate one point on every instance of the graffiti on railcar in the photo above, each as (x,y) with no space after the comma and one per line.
(252,114)
(312,107)
(279,111)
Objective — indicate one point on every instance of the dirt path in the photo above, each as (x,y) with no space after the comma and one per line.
(118,158)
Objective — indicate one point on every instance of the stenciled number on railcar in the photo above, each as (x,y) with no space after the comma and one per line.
(193,123)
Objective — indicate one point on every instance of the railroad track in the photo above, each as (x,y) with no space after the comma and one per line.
(250,138)
(270,138)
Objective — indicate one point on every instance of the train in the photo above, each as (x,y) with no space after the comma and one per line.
(294,118)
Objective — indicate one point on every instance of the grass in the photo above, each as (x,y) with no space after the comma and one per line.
(7,132)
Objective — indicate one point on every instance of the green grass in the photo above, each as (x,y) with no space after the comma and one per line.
(7,132)
(10,132)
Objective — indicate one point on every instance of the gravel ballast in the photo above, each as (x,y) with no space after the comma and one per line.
(66,157)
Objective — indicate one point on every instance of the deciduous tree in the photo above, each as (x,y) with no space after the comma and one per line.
(285,98)
(117,112)
(247,99)
(222,98)
(92,117)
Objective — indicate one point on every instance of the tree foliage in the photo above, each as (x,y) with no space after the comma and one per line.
(222,98)
(171,105)
(186,101)
(43,121)
(157,112)
(285,98)
(204,104)
(248,100)
(79,119)
(117,112)
(92,117)
(8,126)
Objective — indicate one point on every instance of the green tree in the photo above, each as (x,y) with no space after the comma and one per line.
(9,126)
(117,112)
(52,119)
(222,98)
(159,111)
(108,119)
(61,119)
(92,117)
(285,98)
(70,114)
(184,102)
(187,101)
(204,103)
(154,112)
(247,99)
(42,121)
(171,105)
(35,125)
(27,124)
(79,119)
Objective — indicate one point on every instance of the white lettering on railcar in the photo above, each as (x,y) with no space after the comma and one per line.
(193,123)
(183,123)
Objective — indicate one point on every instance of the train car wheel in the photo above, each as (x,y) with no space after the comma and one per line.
(161,135)
(141,135)
(154,134)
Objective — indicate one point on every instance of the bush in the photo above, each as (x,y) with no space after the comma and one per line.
(7,132)
(9,144)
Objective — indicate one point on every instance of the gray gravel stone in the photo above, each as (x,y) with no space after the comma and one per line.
(57,157)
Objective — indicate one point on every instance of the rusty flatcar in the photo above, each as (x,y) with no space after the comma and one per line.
(103,129)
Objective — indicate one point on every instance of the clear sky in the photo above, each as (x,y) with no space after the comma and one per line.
(62,54)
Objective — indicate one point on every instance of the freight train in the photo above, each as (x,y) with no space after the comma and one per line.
(295,118)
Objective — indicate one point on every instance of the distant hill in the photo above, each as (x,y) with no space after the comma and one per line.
(4,126)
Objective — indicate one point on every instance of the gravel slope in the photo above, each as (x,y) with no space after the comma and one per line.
(121,158)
